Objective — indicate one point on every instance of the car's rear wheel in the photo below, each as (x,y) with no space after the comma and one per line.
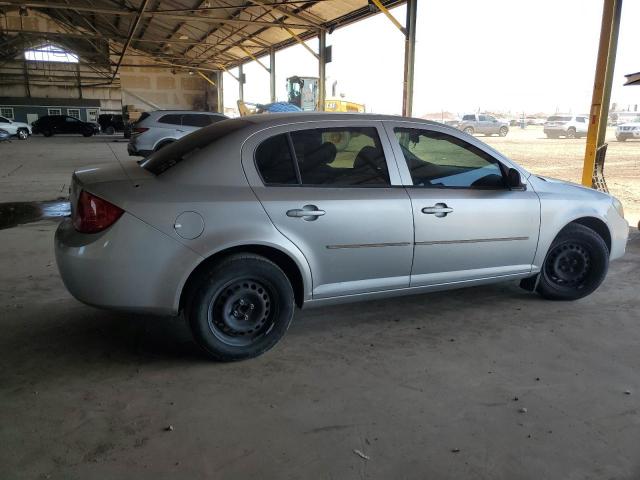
(110,130)
(468,130)
(23,133)
(503,131)
(87,133)
(571,133)
(47,132)
(240,308)
(576,264)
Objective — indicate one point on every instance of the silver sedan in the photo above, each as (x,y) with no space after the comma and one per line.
(240,222)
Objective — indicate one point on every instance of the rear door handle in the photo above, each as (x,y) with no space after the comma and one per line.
(439,210)
(308,212)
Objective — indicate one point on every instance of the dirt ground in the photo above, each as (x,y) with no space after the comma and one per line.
(563,158)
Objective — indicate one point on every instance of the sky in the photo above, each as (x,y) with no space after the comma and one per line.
(507,56)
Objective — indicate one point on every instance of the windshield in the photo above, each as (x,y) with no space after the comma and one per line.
(172,154)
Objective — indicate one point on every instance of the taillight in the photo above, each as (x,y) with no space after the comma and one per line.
(139,130)
(93,214)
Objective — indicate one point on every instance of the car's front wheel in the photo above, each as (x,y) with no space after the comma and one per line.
(576,264)
(503,131)
(571,133)
(87,133)
(468,130)
(240,308)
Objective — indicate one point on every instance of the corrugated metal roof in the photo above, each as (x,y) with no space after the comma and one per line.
(214,34)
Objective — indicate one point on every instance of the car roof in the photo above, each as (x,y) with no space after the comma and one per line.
(184,111)
(289,117)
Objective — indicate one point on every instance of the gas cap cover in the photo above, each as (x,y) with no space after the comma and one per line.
(189,225)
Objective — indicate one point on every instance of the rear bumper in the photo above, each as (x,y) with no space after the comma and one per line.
(134,152)
(130,266)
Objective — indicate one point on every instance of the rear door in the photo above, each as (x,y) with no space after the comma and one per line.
(334,190)
(468,224)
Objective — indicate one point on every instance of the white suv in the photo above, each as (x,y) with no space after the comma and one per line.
(569,126)
(18,129)
(628,130)
(158,129)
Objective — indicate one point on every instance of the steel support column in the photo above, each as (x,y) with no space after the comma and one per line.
(599,113)
(322,69)
(272,74)
(220,84)
(409,57)
(240,82)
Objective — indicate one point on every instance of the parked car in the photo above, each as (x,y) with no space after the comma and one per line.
(4,136)
(629,130)
(240,222)
(486,124)
(157,129)
(59,124)
(15,129)
(110,123)
(569,126)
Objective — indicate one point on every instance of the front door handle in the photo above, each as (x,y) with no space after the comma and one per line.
(308,212)
(439,210)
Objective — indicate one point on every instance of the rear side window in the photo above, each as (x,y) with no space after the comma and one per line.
(469,117)
(176,152)
(196,120)
(580,119)
(324,157)
(274,161)
(173,119)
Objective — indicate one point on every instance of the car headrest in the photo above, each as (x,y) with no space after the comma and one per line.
(370,157)
(323,155)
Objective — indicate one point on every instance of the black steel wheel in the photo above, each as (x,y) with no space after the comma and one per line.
(240,308)
(575,265)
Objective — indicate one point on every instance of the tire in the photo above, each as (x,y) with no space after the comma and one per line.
(23,133)
(576,264)
(621,139)
(47,132)
(571,133)
(240,308)
(87,133)
(503,131)
(110,130)
(468,130)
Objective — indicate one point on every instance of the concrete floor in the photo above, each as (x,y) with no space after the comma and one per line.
(425,386)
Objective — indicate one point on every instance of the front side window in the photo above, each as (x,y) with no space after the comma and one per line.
(70,120)
(470,118)
(580,119)
(440,160)
(3,120)
(324,157)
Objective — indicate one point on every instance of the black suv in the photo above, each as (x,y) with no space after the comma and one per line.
(53,124)
(110,123)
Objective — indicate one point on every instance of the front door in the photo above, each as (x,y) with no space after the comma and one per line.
(468,224)
(334,190)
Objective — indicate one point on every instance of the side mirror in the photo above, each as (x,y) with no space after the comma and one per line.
(514,182)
